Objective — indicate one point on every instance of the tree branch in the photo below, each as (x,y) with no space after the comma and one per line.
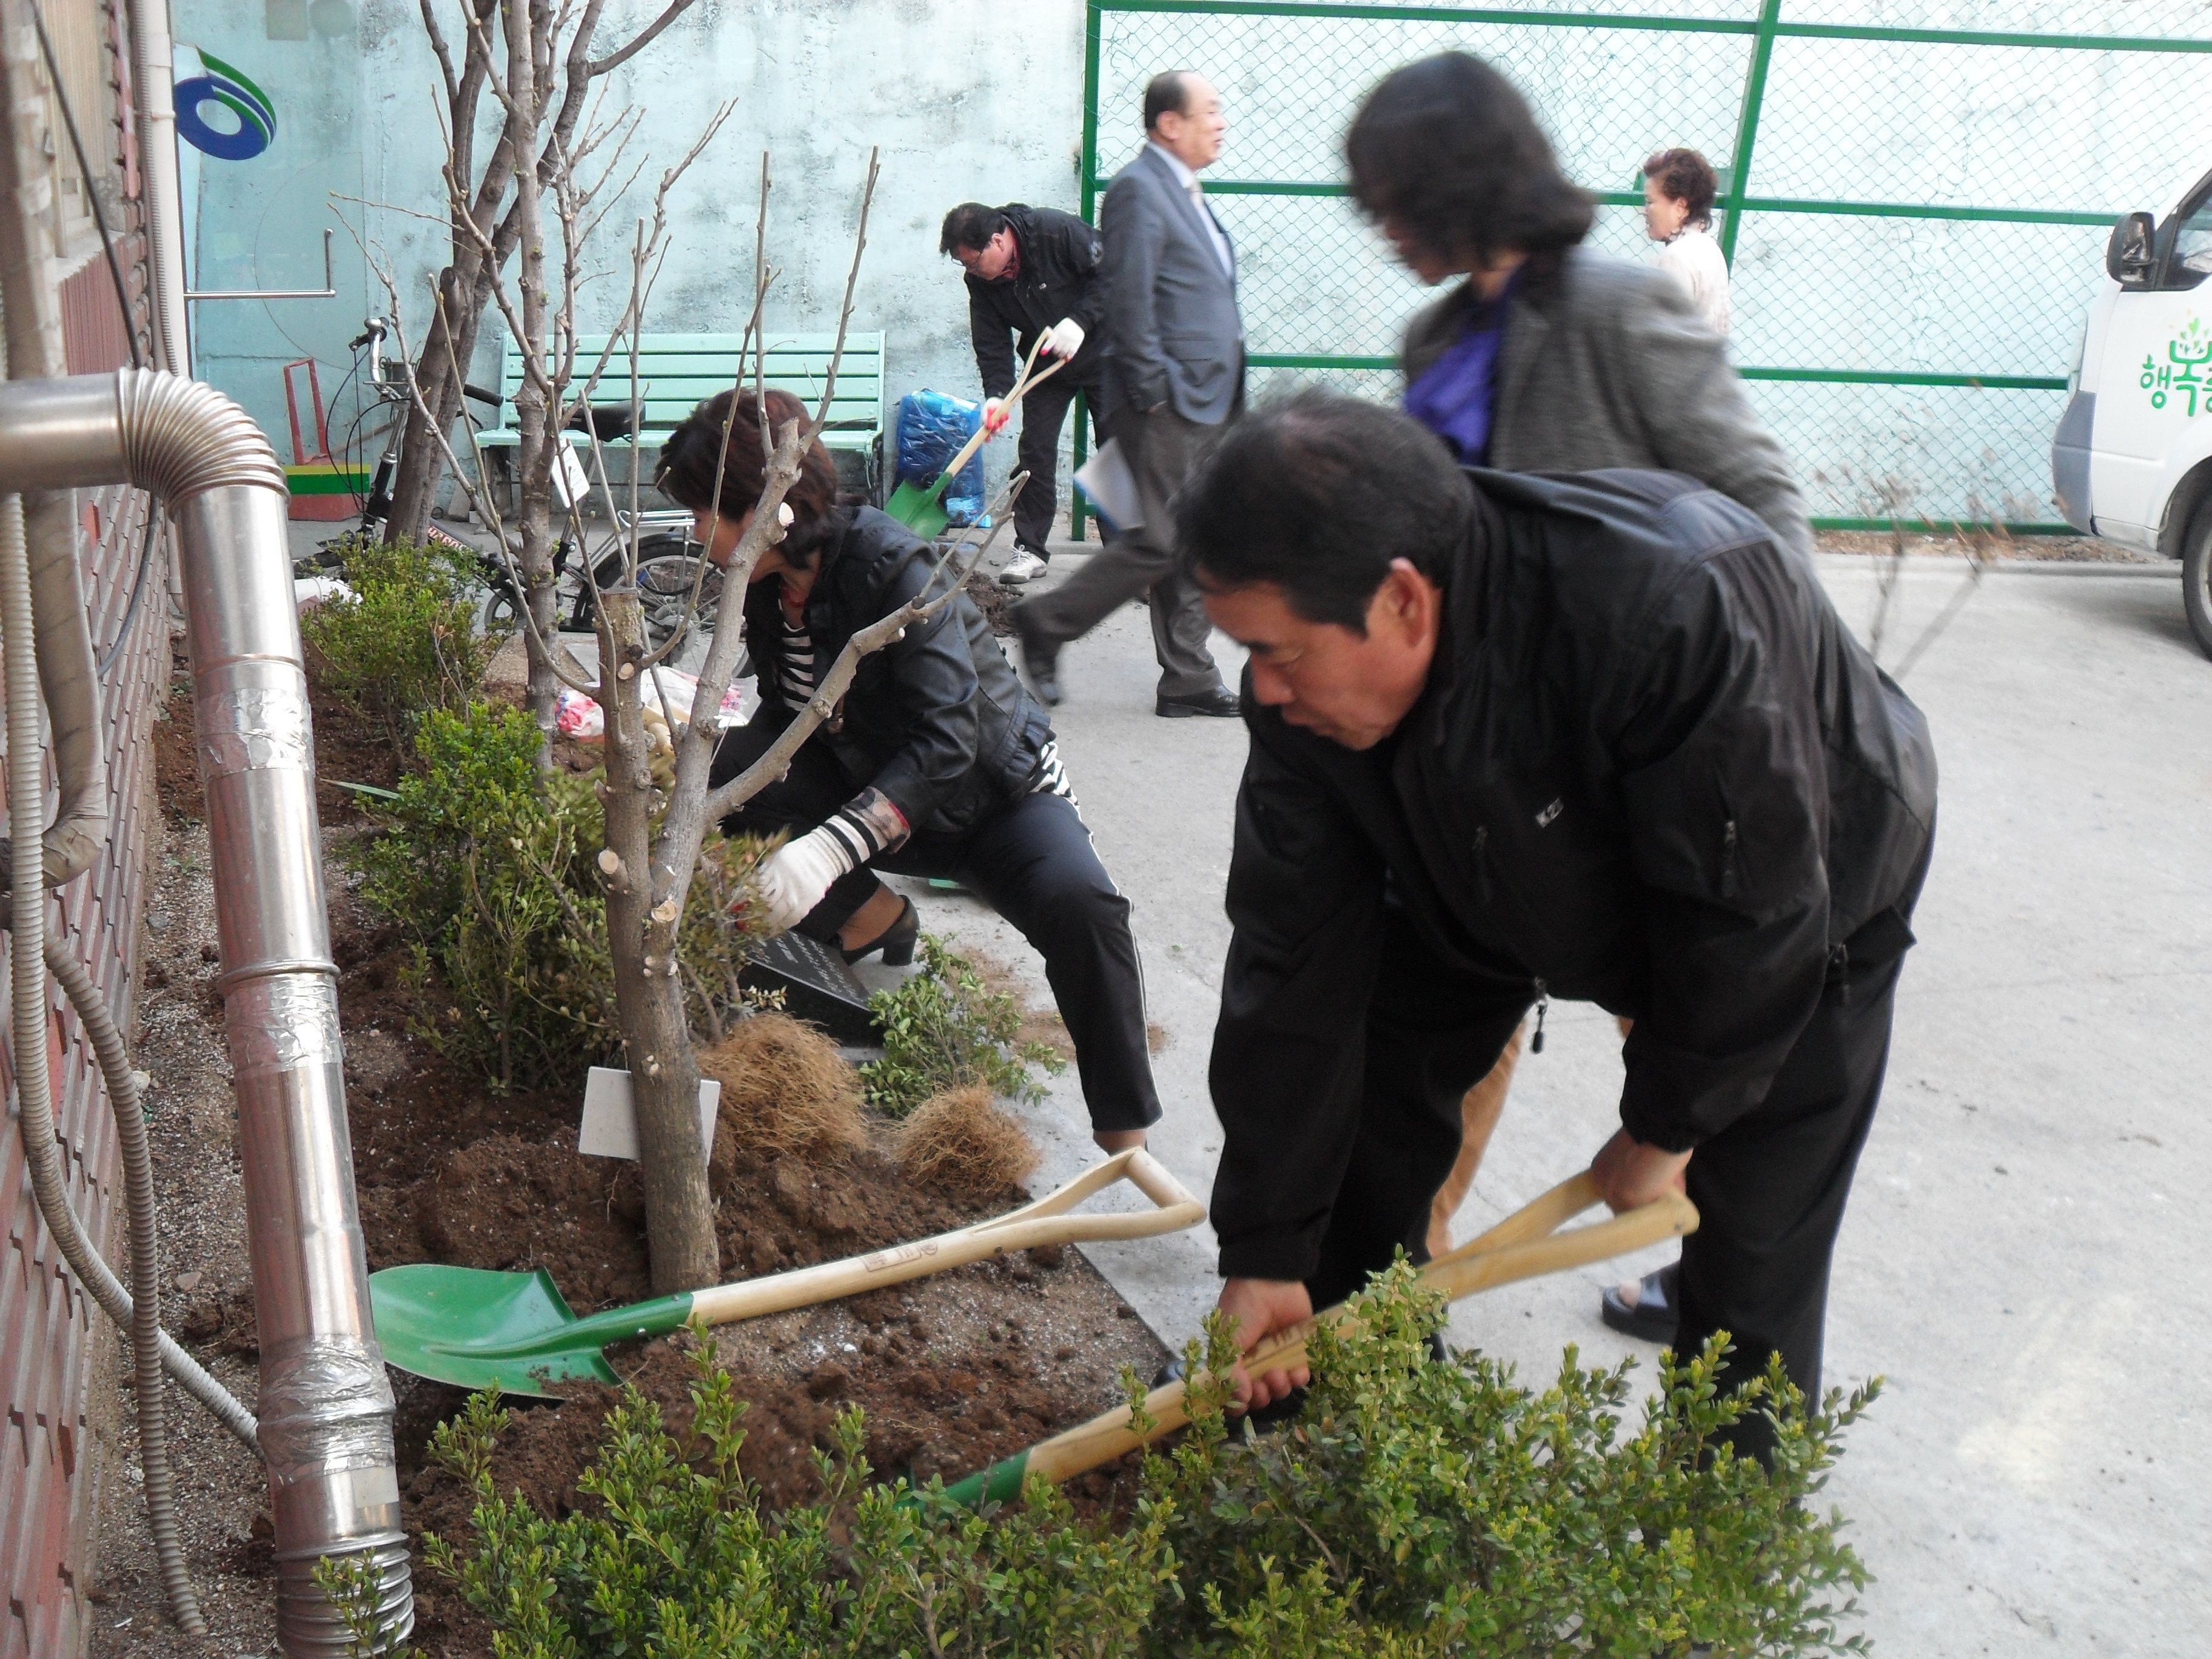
(615,60)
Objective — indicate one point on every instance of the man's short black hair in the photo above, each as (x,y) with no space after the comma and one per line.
(1448,148)
(971,225)
(1316,494)
(1166,93)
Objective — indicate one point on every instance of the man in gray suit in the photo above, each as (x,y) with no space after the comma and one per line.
(1174,375)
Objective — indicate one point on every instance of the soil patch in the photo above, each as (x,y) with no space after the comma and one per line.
(953,1371)
(2042,549)
(995,600)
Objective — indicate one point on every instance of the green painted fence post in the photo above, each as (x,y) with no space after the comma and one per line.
(1084,413)
(1747,124)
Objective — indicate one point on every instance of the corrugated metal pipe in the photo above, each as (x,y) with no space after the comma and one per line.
(325,1407)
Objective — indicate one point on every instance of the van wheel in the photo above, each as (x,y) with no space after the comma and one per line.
(2196,578)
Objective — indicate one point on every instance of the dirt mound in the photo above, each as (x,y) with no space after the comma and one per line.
(785,1090)
(960,1141)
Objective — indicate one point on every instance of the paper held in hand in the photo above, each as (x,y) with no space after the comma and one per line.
(610,1125)
(1106,478)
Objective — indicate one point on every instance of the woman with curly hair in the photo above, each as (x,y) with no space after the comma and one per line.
(1679,187)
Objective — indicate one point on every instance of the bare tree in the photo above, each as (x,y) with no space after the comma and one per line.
(491,198)
(657,819)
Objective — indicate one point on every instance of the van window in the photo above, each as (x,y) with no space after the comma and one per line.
(2192,243)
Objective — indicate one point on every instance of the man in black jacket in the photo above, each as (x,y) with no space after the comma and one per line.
(1030,271)
(1523,736)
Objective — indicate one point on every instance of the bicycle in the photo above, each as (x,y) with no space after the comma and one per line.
(668,568)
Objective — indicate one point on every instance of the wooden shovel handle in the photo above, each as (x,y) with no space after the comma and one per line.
(1041,1222)
(1525,1245)
(1022,389)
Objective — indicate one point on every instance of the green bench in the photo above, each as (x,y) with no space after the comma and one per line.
(676,372)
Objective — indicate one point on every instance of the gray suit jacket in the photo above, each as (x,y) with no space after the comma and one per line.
(1173,336)
(1610,366)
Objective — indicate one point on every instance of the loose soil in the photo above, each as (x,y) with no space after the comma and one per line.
(952,1371)
(2043,549)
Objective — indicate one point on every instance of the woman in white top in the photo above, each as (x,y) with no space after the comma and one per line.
(1679,186)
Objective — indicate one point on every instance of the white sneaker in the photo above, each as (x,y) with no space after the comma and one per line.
(1024,566)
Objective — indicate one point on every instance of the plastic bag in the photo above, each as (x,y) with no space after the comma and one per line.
(575,715)
(932,427)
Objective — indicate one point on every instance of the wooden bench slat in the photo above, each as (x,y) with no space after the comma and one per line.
(677,372)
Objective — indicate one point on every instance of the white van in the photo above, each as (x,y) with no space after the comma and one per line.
(2132,461)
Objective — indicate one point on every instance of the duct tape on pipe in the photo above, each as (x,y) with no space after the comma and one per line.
(326,1409)
(252,729)
(282,1024)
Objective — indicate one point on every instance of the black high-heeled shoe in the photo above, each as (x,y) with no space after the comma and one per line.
(896,941)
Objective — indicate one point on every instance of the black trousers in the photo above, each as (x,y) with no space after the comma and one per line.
(1043,412)
(1032,861)
(1161,447)
(1769,1189)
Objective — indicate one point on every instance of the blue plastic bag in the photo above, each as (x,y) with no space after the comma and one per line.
(932,427)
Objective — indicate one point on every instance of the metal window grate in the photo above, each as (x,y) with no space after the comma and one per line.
(1914,207)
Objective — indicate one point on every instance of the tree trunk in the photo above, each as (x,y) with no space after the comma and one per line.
(443,366)
(537,425)
(679,1211)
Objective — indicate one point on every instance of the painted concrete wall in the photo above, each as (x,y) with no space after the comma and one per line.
(981,102)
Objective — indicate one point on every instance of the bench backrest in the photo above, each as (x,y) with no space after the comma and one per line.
(676,372)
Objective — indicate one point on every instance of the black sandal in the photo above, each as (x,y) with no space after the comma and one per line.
(896,941)
(1658,1307)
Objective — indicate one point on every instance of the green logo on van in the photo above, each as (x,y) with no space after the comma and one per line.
(2185,373)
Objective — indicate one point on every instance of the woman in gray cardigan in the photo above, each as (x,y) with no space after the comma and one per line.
(1547,358)
(1593,361)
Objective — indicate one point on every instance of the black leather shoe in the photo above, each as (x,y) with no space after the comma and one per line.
(1042,668)
(1658,1307)
(1220,703)
(896,941)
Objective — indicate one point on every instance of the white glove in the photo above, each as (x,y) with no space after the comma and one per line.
(795,877)
(1064,338)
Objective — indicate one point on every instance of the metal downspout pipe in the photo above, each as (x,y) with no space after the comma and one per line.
(154,88)
(325,1407)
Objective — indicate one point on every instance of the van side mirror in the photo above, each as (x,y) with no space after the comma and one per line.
(2128,253)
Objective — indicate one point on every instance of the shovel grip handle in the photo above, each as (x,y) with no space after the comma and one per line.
(1526,1245)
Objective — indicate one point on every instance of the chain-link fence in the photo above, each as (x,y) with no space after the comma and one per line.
(1915,195)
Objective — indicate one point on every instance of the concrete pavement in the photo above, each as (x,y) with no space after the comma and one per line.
(2026,1259)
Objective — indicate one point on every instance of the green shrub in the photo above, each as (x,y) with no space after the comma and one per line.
(489,864)
(942,1030)
(403,642)
(1416,1510)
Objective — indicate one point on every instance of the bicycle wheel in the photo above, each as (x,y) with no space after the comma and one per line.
(502,614)
(665,583)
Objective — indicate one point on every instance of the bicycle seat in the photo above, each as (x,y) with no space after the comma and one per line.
(608,422)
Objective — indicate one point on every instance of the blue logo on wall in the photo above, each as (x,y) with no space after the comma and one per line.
(223,85)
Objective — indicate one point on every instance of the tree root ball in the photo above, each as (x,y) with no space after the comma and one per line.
(961,1143)
(786,1092)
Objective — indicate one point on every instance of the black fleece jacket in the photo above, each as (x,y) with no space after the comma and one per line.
(936,720)
(1059,277)
(1651,770)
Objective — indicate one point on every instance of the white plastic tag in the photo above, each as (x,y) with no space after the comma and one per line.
(610,1125)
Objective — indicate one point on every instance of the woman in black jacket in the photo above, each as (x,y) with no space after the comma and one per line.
(936,762)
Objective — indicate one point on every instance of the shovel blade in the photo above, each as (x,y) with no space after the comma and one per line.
(920,510)
(474,1329)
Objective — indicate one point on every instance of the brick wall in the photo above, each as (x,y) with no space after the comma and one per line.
(47,1345)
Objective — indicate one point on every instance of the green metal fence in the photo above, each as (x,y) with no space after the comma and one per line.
(1914,196)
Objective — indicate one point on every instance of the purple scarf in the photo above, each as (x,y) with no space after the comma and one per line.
(1457,397)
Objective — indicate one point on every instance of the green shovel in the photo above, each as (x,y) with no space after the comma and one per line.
(922,511)
(476,1329)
